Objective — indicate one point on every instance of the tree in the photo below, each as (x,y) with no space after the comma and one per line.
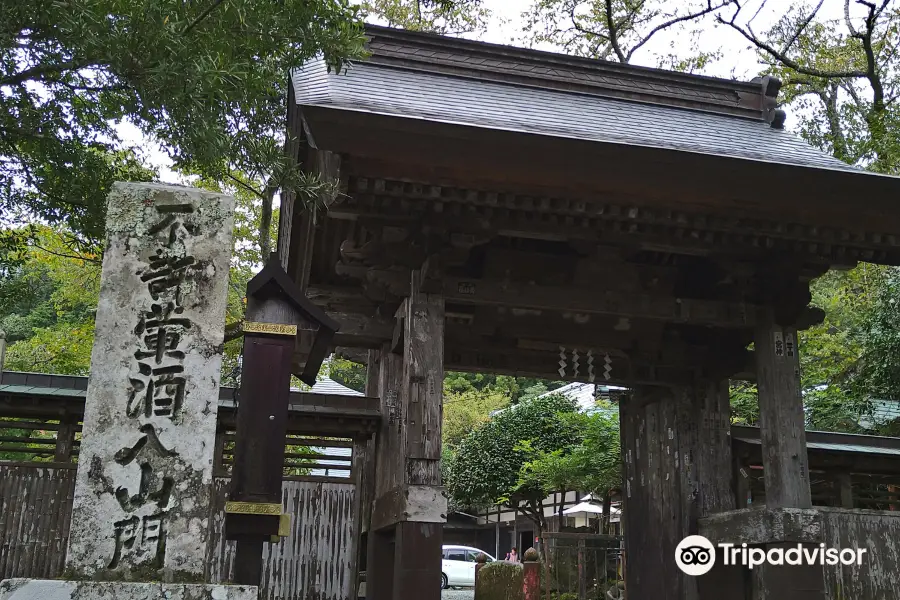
(592,464)
(447,17)
(839,64)
(486,465)
(845,72)
(52,295)
(51,325)
(618,29)
(206,79)
(463,412)
(515,388)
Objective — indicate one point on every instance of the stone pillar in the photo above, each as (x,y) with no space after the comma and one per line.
(785,461)
(531,576)
(142,501)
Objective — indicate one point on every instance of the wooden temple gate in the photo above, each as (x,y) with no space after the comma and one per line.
(524,213)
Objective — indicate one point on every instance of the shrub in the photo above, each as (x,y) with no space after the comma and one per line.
(500,581)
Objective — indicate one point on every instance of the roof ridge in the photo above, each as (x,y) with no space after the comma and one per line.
(510,64)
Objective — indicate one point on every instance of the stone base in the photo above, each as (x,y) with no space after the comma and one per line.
(756,526)
(46,589)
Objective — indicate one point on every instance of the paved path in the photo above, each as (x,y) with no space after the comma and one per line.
(458,594)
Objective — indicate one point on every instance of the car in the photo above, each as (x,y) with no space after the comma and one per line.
(458,566)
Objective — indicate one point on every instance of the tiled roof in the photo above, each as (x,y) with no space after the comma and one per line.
(407,90)
(330,386)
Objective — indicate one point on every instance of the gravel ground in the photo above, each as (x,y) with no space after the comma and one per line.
(458,594)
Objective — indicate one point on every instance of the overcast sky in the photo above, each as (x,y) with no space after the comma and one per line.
(738,60)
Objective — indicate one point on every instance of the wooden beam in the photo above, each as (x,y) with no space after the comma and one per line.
(473,291)
(360,331)
(673,235)
(545,366)
(491,159)
(617,208)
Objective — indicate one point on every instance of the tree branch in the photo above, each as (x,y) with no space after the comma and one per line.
(848,20)
(674,21)
(62,255)
(783,58)
(787,45)
(202,16)
(612,30)
(39,71)
(871,62)
(234,330)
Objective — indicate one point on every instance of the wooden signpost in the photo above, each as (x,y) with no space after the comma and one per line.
(281,323)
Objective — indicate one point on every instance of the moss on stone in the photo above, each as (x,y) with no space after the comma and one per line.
(500,581)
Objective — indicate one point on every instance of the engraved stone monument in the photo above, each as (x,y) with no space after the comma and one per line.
(142,493)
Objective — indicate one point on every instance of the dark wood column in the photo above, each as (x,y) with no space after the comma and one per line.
(785,460)
(677,468)
(781,419)
(713,474)
(410,506)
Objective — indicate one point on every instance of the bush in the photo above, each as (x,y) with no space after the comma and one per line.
(500,581)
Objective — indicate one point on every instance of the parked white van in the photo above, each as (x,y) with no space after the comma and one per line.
(458,566)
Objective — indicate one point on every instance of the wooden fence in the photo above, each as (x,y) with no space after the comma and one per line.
(314,563)
(35,508)
(325,449)
(581,565)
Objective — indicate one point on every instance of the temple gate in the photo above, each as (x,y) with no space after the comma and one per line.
(551,216)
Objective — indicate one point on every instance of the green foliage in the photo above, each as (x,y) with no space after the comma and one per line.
(346,372)
(487,462)
(208,80)
(591,464)
(53,293)
(744,403)
(500,581)
(848,361)
(465,411)
(447,17)
(515,388)
(841,76)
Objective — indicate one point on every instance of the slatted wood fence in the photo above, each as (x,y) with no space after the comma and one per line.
(35,508)
(316,562)
(313,563)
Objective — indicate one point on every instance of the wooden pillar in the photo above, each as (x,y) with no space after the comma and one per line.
(781,418)
(742,487)
(713,477)
(843,484)
(385,377)
(676,449)
(65,438)
(2,351)
(380,565)
(419,537)
(410,506)
(785,461)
